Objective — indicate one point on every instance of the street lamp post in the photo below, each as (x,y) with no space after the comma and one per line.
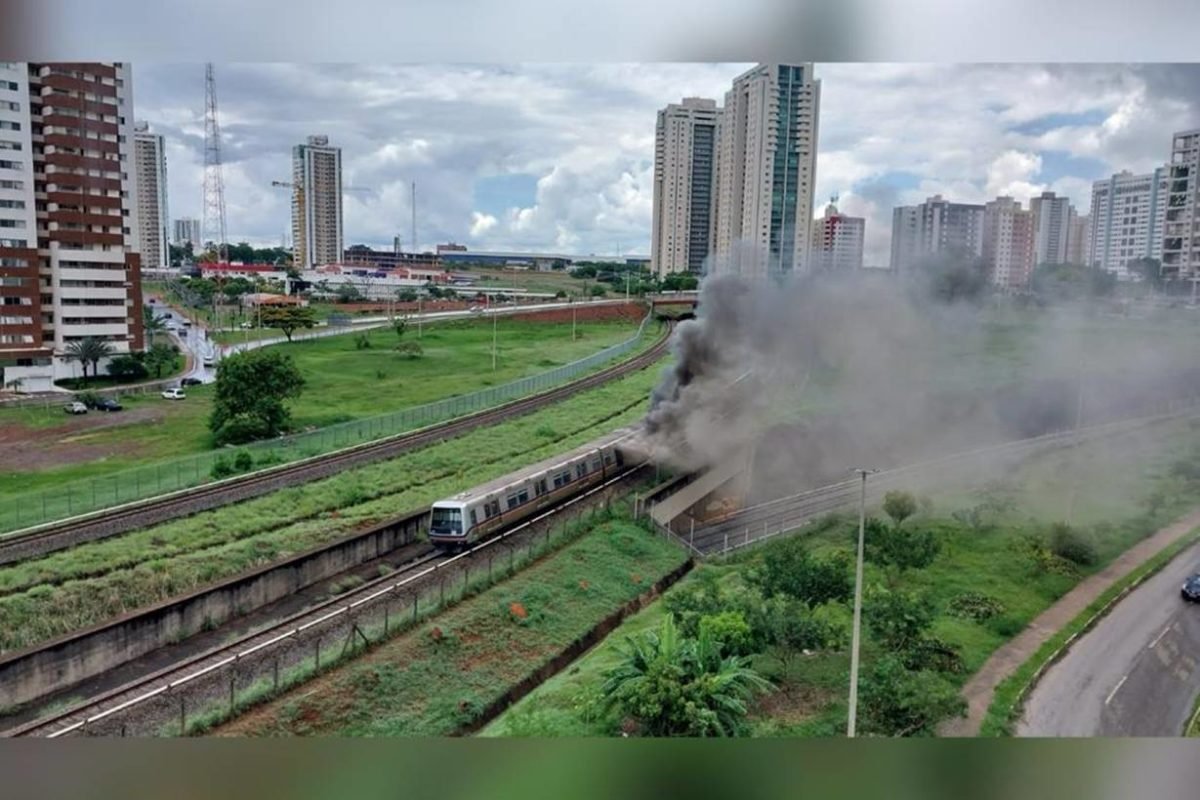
(495,320)
(858,579)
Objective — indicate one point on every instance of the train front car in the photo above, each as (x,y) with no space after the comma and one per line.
(447,528)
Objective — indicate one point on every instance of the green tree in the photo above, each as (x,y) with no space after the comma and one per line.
(789,569)
(399,325)
(674,685)
(153,324)
(288,318)
(898,620)
(126,367)
(903,548)
(89,350)
(250,393)
(348,293)
(899,506)
(895,701)
(406,295)
(159,357)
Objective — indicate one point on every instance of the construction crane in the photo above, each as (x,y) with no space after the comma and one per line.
(299,245)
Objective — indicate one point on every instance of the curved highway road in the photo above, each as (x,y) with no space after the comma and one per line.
(1137,673)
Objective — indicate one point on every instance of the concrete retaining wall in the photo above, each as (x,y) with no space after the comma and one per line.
(32,673)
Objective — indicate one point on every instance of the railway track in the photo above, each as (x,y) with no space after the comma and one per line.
(774,517)
(108,713)
(68,533)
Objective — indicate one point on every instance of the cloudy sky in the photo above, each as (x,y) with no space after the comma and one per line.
(560,157)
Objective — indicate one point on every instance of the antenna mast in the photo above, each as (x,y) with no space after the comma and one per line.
(214,183)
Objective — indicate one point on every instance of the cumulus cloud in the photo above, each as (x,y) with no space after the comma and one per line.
(889,134)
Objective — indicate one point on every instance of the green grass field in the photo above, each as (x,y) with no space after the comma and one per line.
(1112,481)
(70,589)
(421,685)
(342,383)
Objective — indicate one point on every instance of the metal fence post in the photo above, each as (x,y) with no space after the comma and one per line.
(726,547)
(182,715)
(317,654)
(275,674)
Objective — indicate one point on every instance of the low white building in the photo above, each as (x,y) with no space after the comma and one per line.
(837,241)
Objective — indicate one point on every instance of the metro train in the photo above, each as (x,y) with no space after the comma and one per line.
(466,518)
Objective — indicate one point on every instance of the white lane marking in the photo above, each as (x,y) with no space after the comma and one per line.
(1158,638)
(1116,688)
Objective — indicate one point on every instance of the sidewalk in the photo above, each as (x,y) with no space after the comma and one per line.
(980,689)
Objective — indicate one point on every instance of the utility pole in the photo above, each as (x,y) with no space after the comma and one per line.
(495,321)
(858,579)
(413,243)
(573,310)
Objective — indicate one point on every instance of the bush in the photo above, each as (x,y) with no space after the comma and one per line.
(898,620)
(410,349)
(789,569)
(975,606)
(241,429)
(221,468)
(126,367)
(89,399)
(362,341)
(1006,626)
(730,629)
(243,461)
(1072,545)
(899,702)
(899,506)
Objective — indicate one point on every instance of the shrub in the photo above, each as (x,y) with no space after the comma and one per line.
(899,506)
(730,629)
(789,569)
(221,468)
(975,606)
(89,399)
(900,702)
(1072,545)
(1006,626)
(126,367)
(362,341)
(410,349)
(243,461)
(897,619)
(241,429)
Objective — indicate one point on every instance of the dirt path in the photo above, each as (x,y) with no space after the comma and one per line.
(24,448)
(979,691)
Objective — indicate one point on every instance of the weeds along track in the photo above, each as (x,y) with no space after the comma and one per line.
(214,684)
(68,533)
(81,570)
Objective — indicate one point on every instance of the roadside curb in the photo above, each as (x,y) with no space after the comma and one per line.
(1018,705)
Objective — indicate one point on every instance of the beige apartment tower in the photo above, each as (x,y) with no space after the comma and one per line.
(766,169)
(1181,228)
(150,166)
(685,139)
(317,203)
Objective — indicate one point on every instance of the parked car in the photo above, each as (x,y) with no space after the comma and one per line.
(476,309)
(75,407)
(246,326)
(1191,588)
(209,361)
(108,404)
(190,382)
(174,393)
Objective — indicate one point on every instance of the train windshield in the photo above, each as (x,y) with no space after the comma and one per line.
(447,520)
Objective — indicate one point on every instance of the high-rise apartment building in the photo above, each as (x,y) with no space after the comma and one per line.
(1127,219)
(1077,240)
(68,220)
(1052,217)
(317,203)
(933,227)
(685,139)
(150,164)
(1009,243)
(1181,227)
(766,169)
(837,241)
(187,229)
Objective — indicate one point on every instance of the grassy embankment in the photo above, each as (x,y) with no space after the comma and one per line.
(1123,492)
(71,589)
(343,383)
(423,683)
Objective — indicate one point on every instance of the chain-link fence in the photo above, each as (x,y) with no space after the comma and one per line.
(138,483)
(219,686)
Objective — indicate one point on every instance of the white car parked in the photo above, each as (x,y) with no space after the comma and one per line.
(75,408)
(174,393)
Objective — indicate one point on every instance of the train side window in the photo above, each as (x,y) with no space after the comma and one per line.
(513,502)
(496,507)
(539,488)
(523,496)
(597,463)
(581,469)
(608,458)
(473,520)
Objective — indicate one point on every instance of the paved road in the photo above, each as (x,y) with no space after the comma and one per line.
(1134,674)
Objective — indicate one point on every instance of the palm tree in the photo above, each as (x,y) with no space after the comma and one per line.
(152,323)
(89,350)
(677,686)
